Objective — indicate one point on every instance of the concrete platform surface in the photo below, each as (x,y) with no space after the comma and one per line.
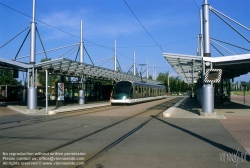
(235,117)
(52,109)
(184,139)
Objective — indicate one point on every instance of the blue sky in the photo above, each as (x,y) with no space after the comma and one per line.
(174,25)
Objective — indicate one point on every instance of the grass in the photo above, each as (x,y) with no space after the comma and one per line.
(240,93)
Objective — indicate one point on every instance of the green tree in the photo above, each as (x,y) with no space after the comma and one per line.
(6,77)
(175,83)
(163,77)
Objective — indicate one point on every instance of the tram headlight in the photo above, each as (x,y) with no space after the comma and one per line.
(124,98)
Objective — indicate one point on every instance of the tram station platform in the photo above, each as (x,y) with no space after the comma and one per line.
(190,108)
(235,117)
(52,109)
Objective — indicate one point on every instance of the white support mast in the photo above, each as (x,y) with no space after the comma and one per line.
(81,44)
(134,65)
(115,59)
(147,69)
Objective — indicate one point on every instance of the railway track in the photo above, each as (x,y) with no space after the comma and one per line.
(154,111)
(59,116)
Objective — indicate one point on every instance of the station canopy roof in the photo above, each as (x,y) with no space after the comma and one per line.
(14,65)
(189,67)
(67,67)
(232,66)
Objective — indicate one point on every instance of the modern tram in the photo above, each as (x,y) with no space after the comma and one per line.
(128,92)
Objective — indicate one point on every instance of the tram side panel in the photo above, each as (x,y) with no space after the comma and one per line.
(138,92)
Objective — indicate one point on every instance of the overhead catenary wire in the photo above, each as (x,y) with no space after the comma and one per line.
(196,5)
(146,46)
(142,25)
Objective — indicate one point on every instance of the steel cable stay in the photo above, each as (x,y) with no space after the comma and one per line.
(109,64)
(88,55)
(77,53)
(119,65)
(230,25)
(14,37)
(41,43)
(130,69)
(73,50)
(21,45)
(58,30)
(214,10)
(70,33)
(217,49)
(68,51)
(231,44)
(129,66)
(50,50)
(222,46)
(106,60)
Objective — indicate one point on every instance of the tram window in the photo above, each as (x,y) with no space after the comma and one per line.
(143,91)
(136,91)
(122,87)
(140,91)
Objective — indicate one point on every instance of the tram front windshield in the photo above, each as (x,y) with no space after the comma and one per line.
(122,89)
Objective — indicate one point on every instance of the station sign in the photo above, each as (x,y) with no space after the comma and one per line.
(213,75)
